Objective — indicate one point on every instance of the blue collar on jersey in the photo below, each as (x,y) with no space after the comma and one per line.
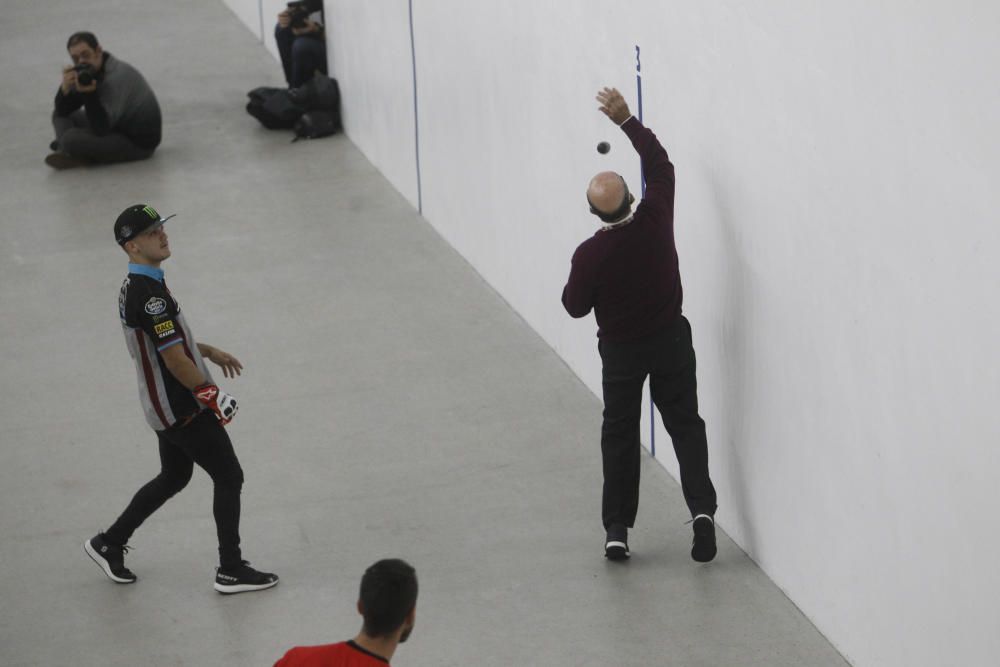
(146,270)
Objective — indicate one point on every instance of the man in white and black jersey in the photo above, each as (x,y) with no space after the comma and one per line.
(182,404)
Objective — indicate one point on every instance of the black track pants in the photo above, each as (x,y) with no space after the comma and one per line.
(204,441)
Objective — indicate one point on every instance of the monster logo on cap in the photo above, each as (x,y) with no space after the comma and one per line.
(135,220)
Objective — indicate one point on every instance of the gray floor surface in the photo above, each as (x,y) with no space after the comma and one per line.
(392,405)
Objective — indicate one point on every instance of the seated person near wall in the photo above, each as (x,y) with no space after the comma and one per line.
(301,41)
(105,111)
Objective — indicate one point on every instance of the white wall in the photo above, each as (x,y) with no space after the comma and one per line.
(836,224)
(260,16)
(269,10)
(368,47)
(247,11)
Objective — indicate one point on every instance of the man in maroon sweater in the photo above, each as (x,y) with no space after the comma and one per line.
(628,274)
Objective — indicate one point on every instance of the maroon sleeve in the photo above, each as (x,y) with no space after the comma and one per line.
(579,294)
(656,168)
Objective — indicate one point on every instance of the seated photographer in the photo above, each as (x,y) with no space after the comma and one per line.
(301,41)
(104,109)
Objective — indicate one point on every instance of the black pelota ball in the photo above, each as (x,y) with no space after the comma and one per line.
(603,147)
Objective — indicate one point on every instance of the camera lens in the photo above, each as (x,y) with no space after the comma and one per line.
(84,74)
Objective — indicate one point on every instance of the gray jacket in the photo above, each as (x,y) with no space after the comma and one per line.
(123,103)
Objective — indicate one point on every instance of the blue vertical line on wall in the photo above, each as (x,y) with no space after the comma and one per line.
(642,177)
(638,88)
(416,117)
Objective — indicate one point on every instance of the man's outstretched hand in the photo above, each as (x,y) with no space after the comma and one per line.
(613,105)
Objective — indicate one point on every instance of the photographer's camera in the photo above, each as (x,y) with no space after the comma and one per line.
(297,14)
(85,74)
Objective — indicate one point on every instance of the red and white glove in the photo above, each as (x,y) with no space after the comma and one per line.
(222,404)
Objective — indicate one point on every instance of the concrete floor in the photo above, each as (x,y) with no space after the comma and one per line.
(392,405)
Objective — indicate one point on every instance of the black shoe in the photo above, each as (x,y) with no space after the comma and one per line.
(242,579)
(60,161)
(111,559)
(703,547)
(616,544)
(54,146)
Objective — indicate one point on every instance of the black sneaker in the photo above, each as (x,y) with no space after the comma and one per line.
(616,544)
(60,161)
(110,557)
(703,547)
(242,579)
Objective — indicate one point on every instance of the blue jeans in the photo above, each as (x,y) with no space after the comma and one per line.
(301,56)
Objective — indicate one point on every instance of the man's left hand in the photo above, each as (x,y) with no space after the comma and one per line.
(230,365)
(308,28)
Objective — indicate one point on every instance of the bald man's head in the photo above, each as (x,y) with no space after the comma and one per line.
(609,196)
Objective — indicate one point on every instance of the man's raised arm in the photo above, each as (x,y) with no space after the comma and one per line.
(656,166)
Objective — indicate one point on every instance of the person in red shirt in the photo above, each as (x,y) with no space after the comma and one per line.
(388,604)
(627,273)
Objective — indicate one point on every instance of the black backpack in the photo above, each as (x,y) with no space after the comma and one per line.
(320,93)
(274,108)
(316,124)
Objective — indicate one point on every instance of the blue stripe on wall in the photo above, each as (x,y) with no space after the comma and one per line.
(416,118)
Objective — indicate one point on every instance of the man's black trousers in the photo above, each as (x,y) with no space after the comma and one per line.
(669,361)
(203,441)
(74,137)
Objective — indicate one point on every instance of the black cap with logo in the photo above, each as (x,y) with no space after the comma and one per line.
(135,220)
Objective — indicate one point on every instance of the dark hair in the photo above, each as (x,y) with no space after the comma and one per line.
(78,37)
(388,594)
